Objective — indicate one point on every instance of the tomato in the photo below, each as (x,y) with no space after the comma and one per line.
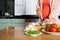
(53,29)
(54,25)
(48,28)
(58,26)
(58,30)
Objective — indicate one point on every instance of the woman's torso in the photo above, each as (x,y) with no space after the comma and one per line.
(46,9)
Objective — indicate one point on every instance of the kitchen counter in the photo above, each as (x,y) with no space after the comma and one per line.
(17,33)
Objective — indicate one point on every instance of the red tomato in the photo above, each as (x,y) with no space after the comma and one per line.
(54,25)
(53,30)
(48,29)
(58,30)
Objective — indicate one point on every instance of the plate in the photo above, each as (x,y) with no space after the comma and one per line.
(53,33)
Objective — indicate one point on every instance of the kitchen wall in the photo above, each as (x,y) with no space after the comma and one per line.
(5,23)
(25,7)
(19,7)
(31,7)
(28,7)
(58,7)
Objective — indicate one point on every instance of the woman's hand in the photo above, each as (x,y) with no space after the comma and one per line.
(47,21)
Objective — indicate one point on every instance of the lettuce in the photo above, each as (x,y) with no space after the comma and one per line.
(33,31)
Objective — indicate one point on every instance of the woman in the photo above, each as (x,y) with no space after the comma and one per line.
(47,9)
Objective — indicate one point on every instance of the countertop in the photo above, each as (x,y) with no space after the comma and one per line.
(17,33)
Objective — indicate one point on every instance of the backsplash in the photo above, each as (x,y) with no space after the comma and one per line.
(4,23)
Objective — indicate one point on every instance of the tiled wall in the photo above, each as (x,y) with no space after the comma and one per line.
(4,23)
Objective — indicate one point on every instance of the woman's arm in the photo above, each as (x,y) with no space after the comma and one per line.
(54,14)
(53,17)
(38,8)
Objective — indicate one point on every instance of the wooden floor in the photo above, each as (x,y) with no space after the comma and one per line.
(12,34)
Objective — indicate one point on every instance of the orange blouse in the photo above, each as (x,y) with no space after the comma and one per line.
(45,9)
